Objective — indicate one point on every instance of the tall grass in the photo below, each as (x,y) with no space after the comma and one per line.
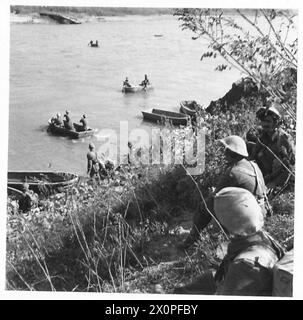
(120,235)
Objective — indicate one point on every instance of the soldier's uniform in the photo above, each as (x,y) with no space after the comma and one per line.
(84,123)
(281,145)
(94,166)
(247,268)
(242,174)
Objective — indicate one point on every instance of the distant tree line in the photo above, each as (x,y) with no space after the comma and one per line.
(92,11)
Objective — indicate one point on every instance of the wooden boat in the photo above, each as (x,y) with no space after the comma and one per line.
(74,134)
(189,107)
(41,182)
(175,118)
(134,89)
(14,193)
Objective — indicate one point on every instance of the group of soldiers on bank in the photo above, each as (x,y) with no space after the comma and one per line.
(67,123)
(240,206)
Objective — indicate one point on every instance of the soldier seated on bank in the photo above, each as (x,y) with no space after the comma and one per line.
(247,268)
(28,199)
(274,151)
(239,173)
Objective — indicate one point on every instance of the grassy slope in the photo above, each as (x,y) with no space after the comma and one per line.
(121,236)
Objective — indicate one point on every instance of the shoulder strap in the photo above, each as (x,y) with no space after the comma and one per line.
(257,177)
(258,182)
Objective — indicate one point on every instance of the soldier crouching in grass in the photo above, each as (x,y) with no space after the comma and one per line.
(247,268)
(239,173)
(274,151)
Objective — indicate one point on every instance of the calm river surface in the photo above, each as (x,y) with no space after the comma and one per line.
(52,70)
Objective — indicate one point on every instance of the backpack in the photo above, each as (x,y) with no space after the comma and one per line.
(283,276)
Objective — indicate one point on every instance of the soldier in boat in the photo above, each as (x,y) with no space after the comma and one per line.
(68,124)
(83,120)
(145,82)
(57,120)
(126,83)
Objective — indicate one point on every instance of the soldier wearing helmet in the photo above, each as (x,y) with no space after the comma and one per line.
(28,198)
(94,165)
(68,124)
(274,150)
(246,270)
(83,120)
(239,173)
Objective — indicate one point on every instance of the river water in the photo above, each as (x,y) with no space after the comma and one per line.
(52,69)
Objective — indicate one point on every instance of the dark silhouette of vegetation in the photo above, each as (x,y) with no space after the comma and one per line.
(91,11)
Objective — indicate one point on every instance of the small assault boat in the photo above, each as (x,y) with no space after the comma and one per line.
(175,118)
(133,89)
(74,134)
(40,182)
(189,107)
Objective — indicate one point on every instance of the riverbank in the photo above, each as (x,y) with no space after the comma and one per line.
(122,235)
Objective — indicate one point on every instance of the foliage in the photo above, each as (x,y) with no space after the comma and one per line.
(258,44)
(111,236)
(119,235)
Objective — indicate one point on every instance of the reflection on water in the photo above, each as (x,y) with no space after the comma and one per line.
(52,70)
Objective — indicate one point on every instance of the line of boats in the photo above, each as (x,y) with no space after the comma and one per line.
(48,182)
(188,110)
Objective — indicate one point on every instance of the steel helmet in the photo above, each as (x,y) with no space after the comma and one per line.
(91,145)
(25,186)
(273,110)
(235,144)
(238,211)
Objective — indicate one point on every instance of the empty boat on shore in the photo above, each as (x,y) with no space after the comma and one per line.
(162,116)
(14,193)
(189,107)
(40,182)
